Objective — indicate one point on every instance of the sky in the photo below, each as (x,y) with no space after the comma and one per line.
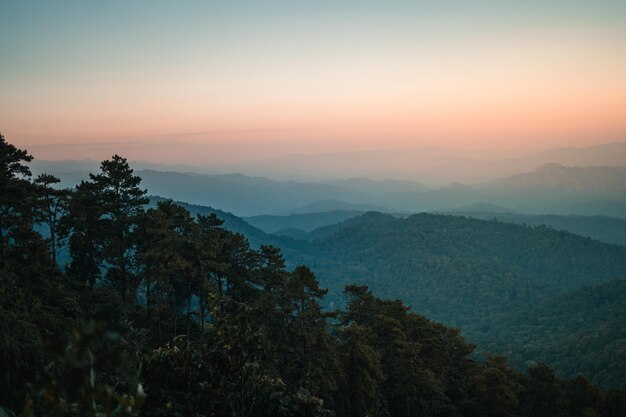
(250,79)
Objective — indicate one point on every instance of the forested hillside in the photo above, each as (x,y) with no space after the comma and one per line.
(159,313)
(431,258)
(602,228)
(432,263)
(306,222)
(471,273)
(461,272)
(582,331)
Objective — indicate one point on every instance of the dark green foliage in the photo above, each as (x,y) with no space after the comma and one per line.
(602,228)
(19,208)
(121,201)
(494,390)
(576,332)
(54,204)
(84,228)
(450,266)
(223,329)
(305,222)
(74,383)
(509,287)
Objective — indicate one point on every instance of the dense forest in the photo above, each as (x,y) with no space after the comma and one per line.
(487,277)
(602,228)
(158,313)
(582,337)
(581,331)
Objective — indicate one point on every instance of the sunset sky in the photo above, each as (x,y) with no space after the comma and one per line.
(262,78)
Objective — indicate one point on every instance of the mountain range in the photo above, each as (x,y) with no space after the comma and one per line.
(534,293)
(551,188)
(432,166)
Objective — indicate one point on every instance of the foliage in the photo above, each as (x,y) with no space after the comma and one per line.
(162,314)
(532,293)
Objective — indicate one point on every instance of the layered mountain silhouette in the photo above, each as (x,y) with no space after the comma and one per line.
(551,187)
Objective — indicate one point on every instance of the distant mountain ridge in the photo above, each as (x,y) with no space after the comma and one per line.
(558,178)
(333,205)
(432,166)
(602,228)
(550,188)
(479,207)
(305,222)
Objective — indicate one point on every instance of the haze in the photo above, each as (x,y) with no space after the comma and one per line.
(214,83)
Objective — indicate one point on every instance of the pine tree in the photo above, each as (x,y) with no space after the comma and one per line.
(18,208)
(165,253)
(83,227)
(53,205)
(122,203)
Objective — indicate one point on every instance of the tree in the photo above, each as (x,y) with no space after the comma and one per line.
(54,204)
(363,374)
(82,223)
(494,390)
(164,253)
(543,394)
(122,202)
(209,264)
(18,211)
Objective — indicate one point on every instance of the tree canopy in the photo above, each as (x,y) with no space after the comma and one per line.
(159,313)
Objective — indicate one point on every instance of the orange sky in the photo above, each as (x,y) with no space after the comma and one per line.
(311,83)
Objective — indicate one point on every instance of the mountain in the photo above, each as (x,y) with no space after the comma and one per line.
(581,331)
(239,194)
(456,268)
(293,233)
(399,164)
(432,166)
(305,222)
(609,154)
(557,189)
(552,188)
(473,274)
(381,186)
(479,207)
(602,228)
(555,178)
(477,168)
(534,293)
(453,195)
(330,204)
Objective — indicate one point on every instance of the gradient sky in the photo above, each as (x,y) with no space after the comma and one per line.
(261,78)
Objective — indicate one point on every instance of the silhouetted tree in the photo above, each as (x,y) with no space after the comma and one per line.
(83,228)
(121,202)
(54,204)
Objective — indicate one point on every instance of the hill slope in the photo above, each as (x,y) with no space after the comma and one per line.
(582,331)
(306,222)
(417,257)
(514,289)
(602,228)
